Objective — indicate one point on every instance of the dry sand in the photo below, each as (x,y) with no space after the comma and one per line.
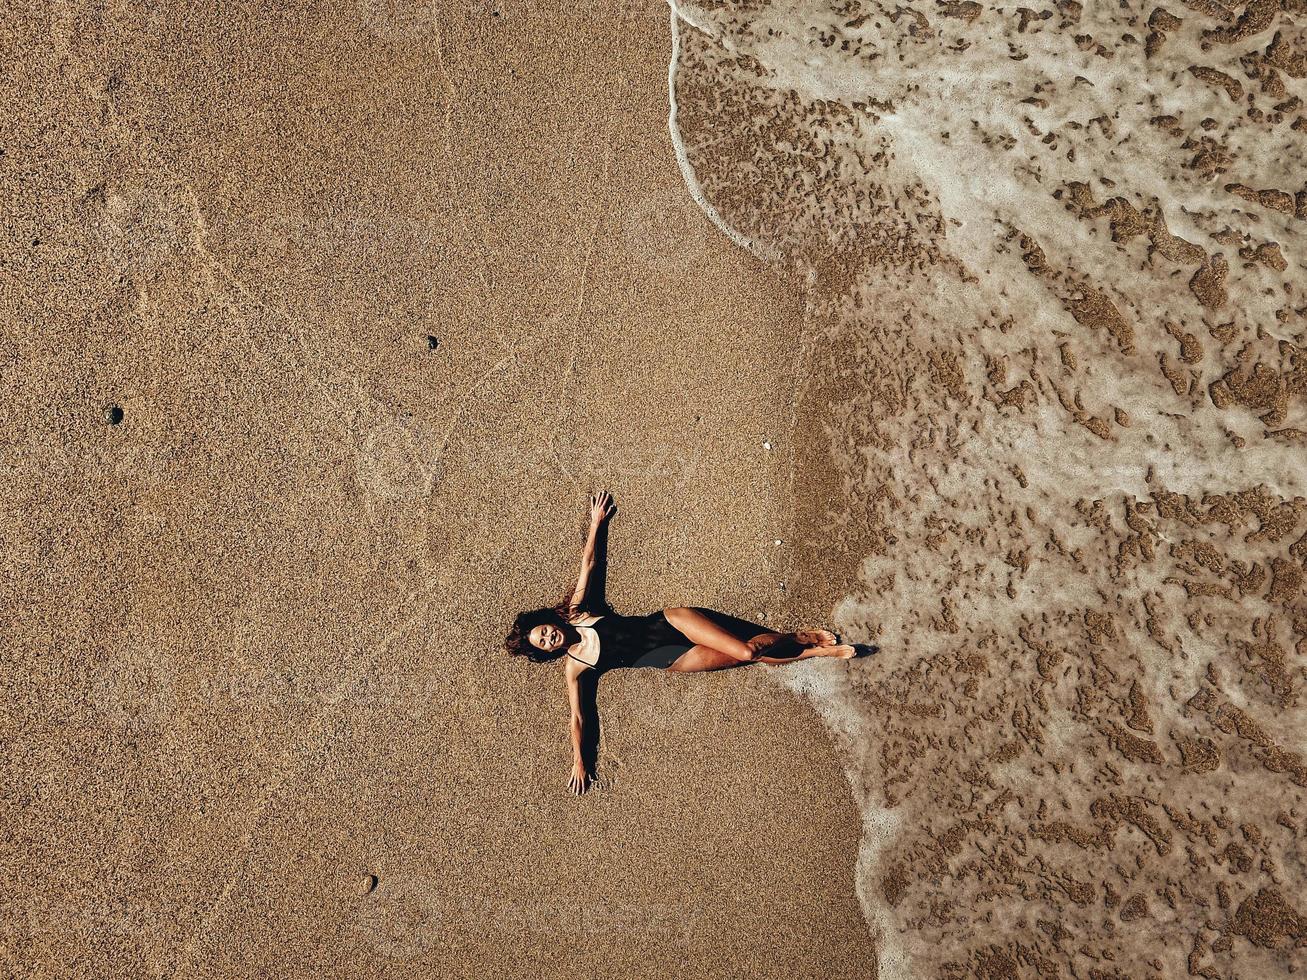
(252,631)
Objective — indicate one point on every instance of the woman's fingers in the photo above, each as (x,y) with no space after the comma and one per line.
(579,783)
(601,505)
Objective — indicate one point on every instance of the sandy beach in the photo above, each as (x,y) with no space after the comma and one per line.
(382,292)
(974,332)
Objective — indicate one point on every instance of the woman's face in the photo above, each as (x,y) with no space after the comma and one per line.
(546,637)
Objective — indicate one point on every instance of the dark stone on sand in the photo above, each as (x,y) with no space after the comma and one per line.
(432,342)
(113,414)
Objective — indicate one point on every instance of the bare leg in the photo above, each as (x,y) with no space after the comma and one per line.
(779,648)
(700,658)
(785,645)
(788,649)
(766,647)
(841,651)
(700,630)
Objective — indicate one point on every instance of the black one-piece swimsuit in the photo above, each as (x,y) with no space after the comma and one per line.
(638,641)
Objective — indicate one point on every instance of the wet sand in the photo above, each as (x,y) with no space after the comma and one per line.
(381,295)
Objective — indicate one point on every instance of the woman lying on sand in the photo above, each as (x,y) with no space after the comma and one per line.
(587,636)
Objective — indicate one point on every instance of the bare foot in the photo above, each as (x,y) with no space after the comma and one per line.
(816,638)
(843,651)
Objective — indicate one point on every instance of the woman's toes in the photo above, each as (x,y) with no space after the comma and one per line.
(844,651)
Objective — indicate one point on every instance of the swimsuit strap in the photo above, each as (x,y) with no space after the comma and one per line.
(578,627)
(587,626)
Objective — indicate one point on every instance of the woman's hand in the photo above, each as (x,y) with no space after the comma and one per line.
(601,507)
(580,780)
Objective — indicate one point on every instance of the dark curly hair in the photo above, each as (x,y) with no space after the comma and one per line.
(518,642)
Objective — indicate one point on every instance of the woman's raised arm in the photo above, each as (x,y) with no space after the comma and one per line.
(601,509)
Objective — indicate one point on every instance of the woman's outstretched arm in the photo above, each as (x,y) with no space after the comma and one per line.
(579,779)
(601,509)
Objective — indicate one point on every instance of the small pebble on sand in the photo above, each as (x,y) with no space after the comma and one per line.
(113,414)
(432,342)
(766,445)
(369,884)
